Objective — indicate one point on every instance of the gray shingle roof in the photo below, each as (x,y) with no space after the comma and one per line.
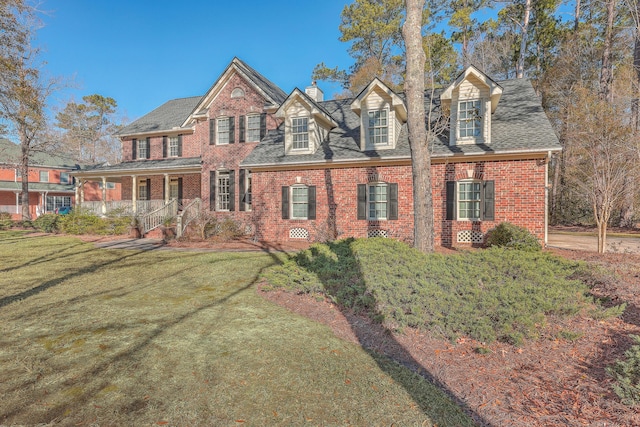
(10,153)
(270,88)
(169,115)
(519,124)
(37,186)
(143,165)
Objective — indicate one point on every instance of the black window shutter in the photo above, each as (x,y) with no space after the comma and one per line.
(241,128)
(134,148)
(241,195)
(149,149)
(232,130)
(179,145)
(148,189)
(212,131)
(263,125)
(285,202)
(393,201)
(451,200)
(232,190)
(362,201)
(179,190)
(212,190)
(489,201)
(311,202)
(164,146)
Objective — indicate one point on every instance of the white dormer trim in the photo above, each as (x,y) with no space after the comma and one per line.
(298,104)
(495,90)
(377,96)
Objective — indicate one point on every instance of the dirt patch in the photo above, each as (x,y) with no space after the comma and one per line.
(593,229)
(558,380)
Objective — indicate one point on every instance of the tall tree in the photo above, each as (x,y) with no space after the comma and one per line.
(420,156)
(88,127)
(464,24)
(606,69)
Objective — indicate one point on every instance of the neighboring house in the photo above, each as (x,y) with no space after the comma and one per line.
(298,167)
(51,184)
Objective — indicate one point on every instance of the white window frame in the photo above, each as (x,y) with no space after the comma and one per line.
(300,204)
(222,132)
(54,202)
(174,189)
(300,133)
(253,129)
(142,188)
(65,178)
(472,120)
(374,204)
(376,119)
(223,199)
(173,146)
(40,175)
(462,197)
(141,152)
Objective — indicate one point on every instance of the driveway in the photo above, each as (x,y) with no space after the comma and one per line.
(590,243)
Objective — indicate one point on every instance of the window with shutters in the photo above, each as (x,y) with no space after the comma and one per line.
(300,133)
(142,149)
(253,128)
(174,150)
(377,201)
(224,130)
(224,191)
(378,127)
(174,189)
(469,199)
(143,194)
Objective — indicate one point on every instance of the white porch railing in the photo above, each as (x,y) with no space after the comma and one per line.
(156,218)
(123,207)
(190,212)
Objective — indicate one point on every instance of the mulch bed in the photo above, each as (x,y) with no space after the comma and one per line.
(549,382)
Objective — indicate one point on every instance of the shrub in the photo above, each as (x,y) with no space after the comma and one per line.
(47,223)
(208,225)
(494,294)
(511,236)
(83,222)
(5,221)
(627,375)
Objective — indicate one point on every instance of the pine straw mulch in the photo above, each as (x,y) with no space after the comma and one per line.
(549,382)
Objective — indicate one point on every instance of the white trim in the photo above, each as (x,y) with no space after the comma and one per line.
(369,201)
(291,204)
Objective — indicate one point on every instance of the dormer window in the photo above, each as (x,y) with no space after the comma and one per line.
(300,133)
(378,127)
(469,119)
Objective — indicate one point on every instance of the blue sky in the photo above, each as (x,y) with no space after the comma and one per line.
(143,52)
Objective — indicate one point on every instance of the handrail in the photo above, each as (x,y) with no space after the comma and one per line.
(190,212)
(156,218)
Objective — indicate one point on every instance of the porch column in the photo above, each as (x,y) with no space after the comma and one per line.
(134,196)
(17,203)
(104,195)
(81,192)
(77,195)
(166,188)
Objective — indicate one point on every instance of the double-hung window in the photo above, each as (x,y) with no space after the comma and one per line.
(143,147)
(469,200)
(44,176)
(253,128)
(174,150)
(143,193)
(300,133)
(469,119)
(223,131)
(378,201)
(299,202)
(64,178)
(378,127)
(224,191)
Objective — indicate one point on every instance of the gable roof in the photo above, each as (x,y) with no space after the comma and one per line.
(166,117)
(495,90)
(519,125)
(396,101)
(314,107)
(10,153)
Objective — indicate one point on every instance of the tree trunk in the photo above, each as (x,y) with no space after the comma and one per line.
(24,167)
(606,71)
(523,42)
(420,157)
(576,21)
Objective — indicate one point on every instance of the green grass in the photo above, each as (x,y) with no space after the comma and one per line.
(490,294)
(109,337)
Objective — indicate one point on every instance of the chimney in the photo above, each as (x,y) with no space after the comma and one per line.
(314,92)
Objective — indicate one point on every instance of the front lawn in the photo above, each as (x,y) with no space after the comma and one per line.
(109,337)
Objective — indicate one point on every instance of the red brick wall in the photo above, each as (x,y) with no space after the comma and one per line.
(519,199)
(93,192)
(8,174)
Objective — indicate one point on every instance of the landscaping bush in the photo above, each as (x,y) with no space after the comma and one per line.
(5,221)
(208,226)
(507,235)
(47,223)
(626,372)
(83,222)
(493,294)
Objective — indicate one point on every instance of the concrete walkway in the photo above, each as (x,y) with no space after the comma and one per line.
(590,243)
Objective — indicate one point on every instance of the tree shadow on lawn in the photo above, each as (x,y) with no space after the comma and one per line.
(94,382)
(374,336)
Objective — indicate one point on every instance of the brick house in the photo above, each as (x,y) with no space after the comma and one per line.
(51,184)
(298,167)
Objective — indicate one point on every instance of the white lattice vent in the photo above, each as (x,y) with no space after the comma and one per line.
(470,236)
(298,233)
(377,233)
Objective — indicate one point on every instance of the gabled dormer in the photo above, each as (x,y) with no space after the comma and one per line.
(471,99)
(382,113)
(306,123)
